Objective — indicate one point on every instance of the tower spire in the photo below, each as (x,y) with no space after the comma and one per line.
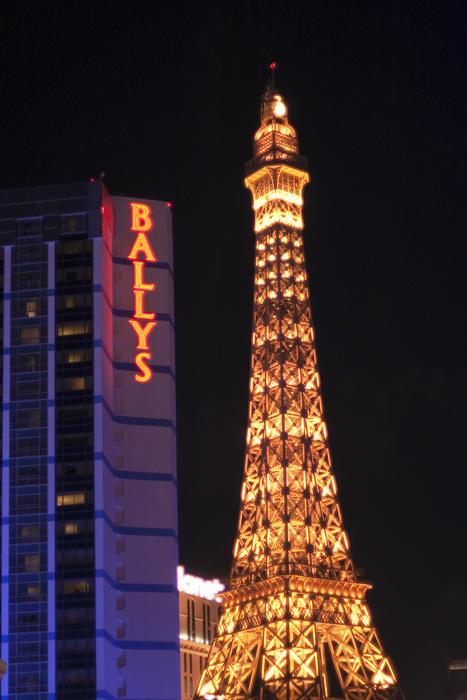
(294,599)
(273,66)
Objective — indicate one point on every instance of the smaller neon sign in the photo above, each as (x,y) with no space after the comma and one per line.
(197,586)
(141,224)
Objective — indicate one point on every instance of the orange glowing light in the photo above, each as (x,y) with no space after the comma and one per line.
(140,362)
(142,333)
(140,217)
(139,310)
(138,266)
(141,223)
(142,245)
(293,592)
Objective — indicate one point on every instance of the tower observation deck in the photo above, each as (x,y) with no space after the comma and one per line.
(295,623)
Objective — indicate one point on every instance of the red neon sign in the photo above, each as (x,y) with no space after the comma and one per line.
(140,217)
(141,252)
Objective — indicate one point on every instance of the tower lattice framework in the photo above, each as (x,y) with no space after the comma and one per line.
(294,607)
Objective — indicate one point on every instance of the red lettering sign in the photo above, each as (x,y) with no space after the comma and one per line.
(140,217)
(141,252)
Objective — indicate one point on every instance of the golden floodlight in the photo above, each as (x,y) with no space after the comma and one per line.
(294,607)
(279,108)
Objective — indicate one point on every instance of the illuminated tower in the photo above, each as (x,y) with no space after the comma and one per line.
(294,620)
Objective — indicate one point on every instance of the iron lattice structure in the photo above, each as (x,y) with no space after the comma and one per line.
(294,607)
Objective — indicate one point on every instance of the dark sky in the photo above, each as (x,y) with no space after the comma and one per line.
(164,97)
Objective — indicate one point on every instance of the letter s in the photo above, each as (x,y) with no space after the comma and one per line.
(140,362)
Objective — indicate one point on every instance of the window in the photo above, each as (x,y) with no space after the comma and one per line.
(29,227)
(73,384)
(32,680)
(75,616)
(76,328)
(31,308)
(74,301)
(29,335)
(32,562)
(71,587)
(75,356)
(30,532)
(70,499)
(190,619)
(32,362)
(71,528)
(74,274)
(33,418)
(34,592)
(72,558)
(73,223)
(74,414)
(77,645)
(206,623)
(72,469)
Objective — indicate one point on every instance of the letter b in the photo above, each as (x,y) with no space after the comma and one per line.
(140,217)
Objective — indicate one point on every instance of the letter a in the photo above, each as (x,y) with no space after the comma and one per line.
(142,245)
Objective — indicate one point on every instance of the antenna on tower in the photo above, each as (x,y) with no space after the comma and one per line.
(272,67)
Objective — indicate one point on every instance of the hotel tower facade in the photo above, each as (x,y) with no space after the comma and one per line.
(89,603)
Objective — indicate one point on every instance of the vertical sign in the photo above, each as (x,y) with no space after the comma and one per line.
(143,322)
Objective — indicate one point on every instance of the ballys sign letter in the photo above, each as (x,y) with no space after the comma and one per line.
(143,322)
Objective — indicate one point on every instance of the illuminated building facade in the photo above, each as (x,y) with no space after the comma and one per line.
(199,608)
(89,602)
(295,623)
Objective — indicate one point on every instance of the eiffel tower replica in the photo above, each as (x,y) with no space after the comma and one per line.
(295,623)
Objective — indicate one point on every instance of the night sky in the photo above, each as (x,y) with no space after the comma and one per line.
(164,98)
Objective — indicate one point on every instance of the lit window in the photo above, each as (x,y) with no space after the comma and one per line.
(75,356)
(31,308)
(71,528)
(29,335)
(77,328)
(34,592)
(70,587)
(32,562)
(70,499)
(74,384)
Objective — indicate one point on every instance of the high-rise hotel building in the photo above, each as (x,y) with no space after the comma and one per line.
(199,610)
(89,602)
